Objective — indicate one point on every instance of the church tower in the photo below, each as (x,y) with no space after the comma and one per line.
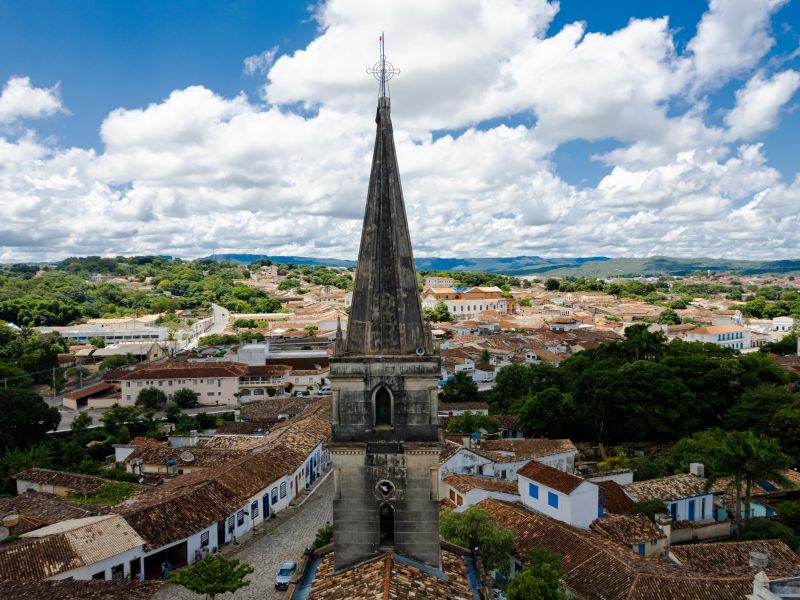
(385,445)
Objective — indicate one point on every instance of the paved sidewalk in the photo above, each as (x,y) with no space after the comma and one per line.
(282,538)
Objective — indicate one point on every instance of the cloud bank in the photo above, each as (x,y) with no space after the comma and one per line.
(486,96)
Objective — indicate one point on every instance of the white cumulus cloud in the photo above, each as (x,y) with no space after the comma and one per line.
(20,100)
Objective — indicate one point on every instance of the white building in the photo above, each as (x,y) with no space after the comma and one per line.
(466,490)
(99,547)
(559,495)
(685,496)
(467,303)
(439,282)
(726,336)
(782,324)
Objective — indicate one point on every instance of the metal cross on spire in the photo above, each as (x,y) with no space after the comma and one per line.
(383,71)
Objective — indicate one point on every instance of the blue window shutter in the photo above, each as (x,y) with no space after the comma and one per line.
(533,490)
(641,549)
(552,499)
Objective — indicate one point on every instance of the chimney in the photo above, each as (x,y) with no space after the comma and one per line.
(759,559)
(697,469)
(664,523)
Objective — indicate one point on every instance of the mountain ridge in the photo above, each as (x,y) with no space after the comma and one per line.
(593,266)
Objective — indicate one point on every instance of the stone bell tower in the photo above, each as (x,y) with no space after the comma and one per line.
(385,445)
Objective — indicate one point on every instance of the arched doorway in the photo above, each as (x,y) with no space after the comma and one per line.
(386,518)
(383,407)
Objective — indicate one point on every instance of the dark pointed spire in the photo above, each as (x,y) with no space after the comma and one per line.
(386,315)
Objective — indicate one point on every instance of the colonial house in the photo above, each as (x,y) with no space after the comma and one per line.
(467,303)
(559,495)
(555,453)
(97,547)
(164,461)
(726,336)
(637,532)
(684,495)
(213,383)
(466,490)
(60,483)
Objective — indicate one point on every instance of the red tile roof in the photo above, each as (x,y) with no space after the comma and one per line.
(550,477)
(464,483)
(598,569)
(530,448)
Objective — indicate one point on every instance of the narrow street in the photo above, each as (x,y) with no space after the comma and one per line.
(285,538)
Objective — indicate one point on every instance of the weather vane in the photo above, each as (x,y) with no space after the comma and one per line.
(383,70)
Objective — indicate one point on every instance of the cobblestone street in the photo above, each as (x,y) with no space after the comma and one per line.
(284,538)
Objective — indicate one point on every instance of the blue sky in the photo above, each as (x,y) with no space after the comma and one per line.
(125,66)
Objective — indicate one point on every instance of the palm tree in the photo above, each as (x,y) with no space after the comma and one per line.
(765,461)
(486,356)
(746,458)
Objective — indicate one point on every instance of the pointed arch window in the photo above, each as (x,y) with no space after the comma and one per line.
(383,407)
(386,519)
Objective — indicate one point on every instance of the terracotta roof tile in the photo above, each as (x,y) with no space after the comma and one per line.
(615,500)
(530,448)
(598,569)
(464,483)
(732,558)
(201,457)
(551,477)
(70,589)
(367,580)
(77,482)
(66,545)
(673,487)
(40,509)
(627,529)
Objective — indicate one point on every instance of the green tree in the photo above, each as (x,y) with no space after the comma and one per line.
(81,422)
(324,536)
(25,418)
(470,422)
(118,416)
(116,361)
(97,342)
(485,357)
(786,345)
(475,528)
(172,413)
(669,317)
(540,579)
(545,413)
(785,426)
(460,388)
(310,330)
(745,458)
(649,508)
(764,529)
(151,397)
(184,397)
(14,377)
(789,515)
(438,314)
(756,406)
(213,575)
(552,285)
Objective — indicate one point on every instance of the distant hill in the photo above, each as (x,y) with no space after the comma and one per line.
(594,266)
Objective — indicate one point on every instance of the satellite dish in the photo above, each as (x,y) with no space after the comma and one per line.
(187,456)
(483,431)
(420,351)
